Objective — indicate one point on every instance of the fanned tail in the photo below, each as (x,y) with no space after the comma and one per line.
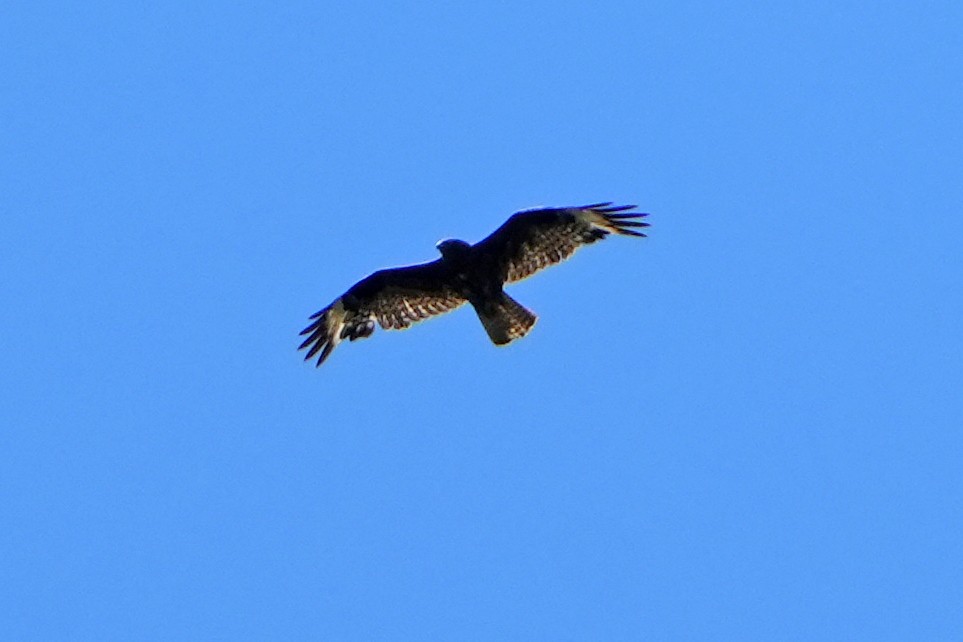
(505,319)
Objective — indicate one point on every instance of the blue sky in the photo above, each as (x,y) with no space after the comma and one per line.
(745,426)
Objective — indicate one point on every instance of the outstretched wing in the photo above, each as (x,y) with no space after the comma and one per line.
(396,298)
(534,239)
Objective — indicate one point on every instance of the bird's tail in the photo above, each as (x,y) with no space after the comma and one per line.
(505,319)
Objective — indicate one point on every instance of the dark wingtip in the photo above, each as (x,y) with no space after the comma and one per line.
(313,350)
(608,208)
(632,224)
(621,216)
(318,321)
(633,233)
(621,220)
(324,354)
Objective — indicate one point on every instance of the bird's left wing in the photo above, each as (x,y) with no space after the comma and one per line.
(396,298)
(534,239)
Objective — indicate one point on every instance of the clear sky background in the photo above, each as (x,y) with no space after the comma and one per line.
(747,425)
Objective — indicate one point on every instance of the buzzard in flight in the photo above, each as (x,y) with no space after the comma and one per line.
(527,242)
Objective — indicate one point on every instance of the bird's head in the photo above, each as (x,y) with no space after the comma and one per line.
(452,248)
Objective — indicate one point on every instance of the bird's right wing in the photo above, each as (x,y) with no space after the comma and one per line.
(396,298)
(534,239)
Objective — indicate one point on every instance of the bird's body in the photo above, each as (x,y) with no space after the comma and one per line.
(477,280)
(530,240)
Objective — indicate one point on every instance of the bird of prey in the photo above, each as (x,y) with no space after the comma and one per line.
(528,241)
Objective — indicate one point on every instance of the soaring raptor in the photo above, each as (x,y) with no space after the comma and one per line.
(527,242)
